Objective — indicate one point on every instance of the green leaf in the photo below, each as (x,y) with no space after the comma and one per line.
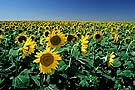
(62,68)
(51,87)
(1,81)
(91,62)
(22,80)
(13,52)
(48,79)
(84,83)
(75,52)
(116,63)
(107,76)
(117,85)
(129,65)
(133,53)
(119,72)
(123,55)
(35,79)
(127,73)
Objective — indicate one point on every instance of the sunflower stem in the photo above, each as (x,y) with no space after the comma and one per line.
(69,62)
(44,78)
(129,46)
(41,78)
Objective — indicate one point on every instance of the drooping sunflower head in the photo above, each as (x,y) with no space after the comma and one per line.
(111,60)
(56,40)
(84,44)
(20,38)
(28,48)
(127,40)
(116,38)
(48,61)
(97,36)
(71,38)
(1,37)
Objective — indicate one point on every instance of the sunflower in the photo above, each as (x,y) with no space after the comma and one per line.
(84,44)
(28,48)
(47,60)
(1,32)
(55,39)
(129,31)
(46,33)
(116,37)
(1,37)
(111,60)
(74,39)
(78,34)
(127,40)
(20,31)
(32,37)
(71,38)
(20,38)
(97,36)
(47,28)
(40,30)
(42,40)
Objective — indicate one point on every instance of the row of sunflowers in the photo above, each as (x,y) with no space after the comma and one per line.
(67,55)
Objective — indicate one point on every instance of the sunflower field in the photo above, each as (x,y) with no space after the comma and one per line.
(62,55)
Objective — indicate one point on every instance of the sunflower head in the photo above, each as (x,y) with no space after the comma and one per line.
(47,28)
(40,30)
(20,31)
(20,38)
(56,40)
(46,33)
(97,36)
(78,35)
(32,37)
(48,61)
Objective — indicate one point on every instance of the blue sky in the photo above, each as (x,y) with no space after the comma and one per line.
(97,10)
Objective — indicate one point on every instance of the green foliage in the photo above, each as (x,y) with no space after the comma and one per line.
(22,80)
(75,71)
(116,63)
